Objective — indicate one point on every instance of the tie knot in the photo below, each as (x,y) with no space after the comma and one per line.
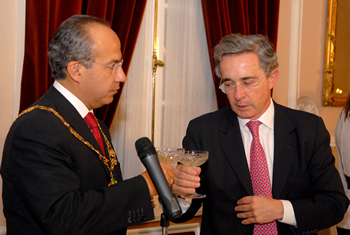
(254,127)
(91,120)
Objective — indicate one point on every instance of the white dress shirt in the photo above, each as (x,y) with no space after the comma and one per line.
(266,134)
(78,104)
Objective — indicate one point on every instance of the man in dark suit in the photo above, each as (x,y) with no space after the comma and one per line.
(57,179)
(306,191)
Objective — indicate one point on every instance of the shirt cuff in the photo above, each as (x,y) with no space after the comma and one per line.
(288,213)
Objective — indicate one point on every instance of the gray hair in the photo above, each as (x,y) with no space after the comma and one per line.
(72,42)
(239,44)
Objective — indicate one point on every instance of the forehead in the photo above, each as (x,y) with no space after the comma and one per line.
(105,40)
(242,65)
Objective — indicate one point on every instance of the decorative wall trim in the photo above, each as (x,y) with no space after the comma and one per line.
(295,52)
(20,32)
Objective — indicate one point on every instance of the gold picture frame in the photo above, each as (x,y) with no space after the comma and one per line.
(335,88)
(328,85)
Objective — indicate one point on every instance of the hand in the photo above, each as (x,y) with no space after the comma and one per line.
(259,209)
(186,180)
(169,173)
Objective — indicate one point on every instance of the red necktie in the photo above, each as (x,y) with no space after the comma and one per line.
(259,174)
(92,123)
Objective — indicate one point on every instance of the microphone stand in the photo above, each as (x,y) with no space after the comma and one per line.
(164,222)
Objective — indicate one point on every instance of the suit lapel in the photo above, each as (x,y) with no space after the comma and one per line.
(71,115)
(284,149)
(233,148)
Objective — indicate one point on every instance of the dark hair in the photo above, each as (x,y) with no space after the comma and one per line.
(346,108)
(240,44)
(72,42)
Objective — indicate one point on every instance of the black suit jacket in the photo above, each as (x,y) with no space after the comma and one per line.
(303,172)
(54,184)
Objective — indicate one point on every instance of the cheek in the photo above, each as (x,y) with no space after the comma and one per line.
(96,87)
(262,99)
(101,83)
(231,98)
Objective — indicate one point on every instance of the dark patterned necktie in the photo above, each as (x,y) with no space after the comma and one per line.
(92,123)
(259,174)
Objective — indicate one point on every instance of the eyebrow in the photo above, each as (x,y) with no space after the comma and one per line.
(241,79)
(114,61)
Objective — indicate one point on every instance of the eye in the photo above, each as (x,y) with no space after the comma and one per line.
(229,84)
(247,83)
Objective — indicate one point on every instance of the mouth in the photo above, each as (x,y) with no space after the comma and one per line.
(113,92)
(242,107)
(116,89)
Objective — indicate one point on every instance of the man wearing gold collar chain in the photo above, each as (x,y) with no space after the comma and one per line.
(57,179)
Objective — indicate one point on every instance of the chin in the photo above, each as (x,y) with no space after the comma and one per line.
(106,101)
(109,100)
(244,115)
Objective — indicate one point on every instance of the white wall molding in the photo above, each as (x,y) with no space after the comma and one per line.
(295,52)
(20,35)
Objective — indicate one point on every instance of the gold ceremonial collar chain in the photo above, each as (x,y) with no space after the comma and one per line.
(110,163)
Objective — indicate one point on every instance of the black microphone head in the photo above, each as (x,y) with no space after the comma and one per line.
(144,147)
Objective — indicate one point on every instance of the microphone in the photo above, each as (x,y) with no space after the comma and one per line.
(148,155)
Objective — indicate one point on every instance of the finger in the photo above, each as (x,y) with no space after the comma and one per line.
(184,187)
(198,170)
(188,170)
(248,217)
(168,169)
(186,180)
(170,181)
(250,220)
(184,175)
(245,200)
(169,172)
(244,215)
(182,190)
(187,183)
(244,207)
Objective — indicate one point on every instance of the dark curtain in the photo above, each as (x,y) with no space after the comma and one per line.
(223,17)
(42,20)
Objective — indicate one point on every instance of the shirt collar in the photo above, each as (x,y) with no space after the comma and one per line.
(78,104)
(267,118)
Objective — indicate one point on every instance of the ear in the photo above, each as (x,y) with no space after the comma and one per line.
(73,70)
(273,78)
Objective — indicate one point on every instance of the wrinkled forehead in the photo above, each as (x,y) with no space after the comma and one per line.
(240,62)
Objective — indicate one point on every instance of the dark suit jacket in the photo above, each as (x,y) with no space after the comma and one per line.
(54,184)
(303,172)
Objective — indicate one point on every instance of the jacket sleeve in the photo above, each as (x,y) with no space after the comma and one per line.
(62,183)
(323,202)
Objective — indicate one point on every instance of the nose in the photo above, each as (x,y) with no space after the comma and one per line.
(239,92)
(120,75)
